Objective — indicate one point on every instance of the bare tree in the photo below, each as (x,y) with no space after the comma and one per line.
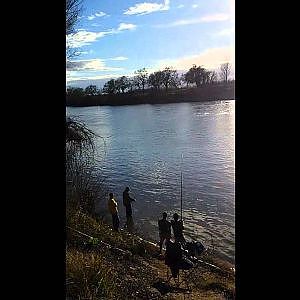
(73,10)
(213,77)
(141,77)
(225,72)
(169,77)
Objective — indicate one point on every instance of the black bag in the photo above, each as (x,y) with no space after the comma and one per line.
(194,248)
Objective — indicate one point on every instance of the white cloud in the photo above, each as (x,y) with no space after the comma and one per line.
(84,38)
(195,5)
(203,19)
(180,6)
(126,26)
(99,14)
(90,65)
(147,8)
(210,58)
(118,58)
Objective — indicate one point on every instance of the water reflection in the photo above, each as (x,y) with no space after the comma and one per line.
(144,152)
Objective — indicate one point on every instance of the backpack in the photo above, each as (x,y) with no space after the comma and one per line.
(194,248)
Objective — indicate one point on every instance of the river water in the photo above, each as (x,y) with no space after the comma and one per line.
(146,147)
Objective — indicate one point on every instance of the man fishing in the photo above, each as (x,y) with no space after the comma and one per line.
(113,209)
(127,203)
(164,227)
(177,226)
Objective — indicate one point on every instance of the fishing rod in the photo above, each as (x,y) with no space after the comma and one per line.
(96,241)
(181,188)
(209,265)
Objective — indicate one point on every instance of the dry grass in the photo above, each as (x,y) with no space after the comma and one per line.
(88,276)
(102,231)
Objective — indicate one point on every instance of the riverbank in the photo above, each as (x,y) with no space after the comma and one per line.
(124,266)
(206,93)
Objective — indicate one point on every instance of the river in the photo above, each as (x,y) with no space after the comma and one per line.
(146,147)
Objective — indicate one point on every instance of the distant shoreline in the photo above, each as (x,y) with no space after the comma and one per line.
(216,92)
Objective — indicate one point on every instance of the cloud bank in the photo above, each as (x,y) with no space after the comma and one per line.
(203,19)
(210,58)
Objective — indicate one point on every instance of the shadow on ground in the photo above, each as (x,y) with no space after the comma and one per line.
(165,288)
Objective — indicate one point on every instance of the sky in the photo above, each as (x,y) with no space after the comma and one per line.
(117,37)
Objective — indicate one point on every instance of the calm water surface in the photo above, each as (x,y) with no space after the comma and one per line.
(143,149)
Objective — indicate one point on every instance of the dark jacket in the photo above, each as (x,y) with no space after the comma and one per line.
(173,254)
(164,227)
(127,199)
(177,228)
(127,203)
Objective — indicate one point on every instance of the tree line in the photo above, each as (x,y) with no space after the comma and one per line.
(157,81)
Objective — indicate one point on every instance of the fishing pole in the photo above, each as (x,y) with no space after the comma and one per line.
(96,241)
(181,187)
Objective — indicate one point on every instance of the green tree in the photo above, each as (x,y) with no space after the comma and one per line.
(189,78)
(92,90)
(131,84)
(122,84)
(110,87)
(75,92)
(156,79)
(198,75)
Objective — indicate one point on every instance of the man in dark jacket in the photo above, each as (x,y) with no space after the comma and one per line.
(177,226)
(164,227)
(174,258)
(127,203)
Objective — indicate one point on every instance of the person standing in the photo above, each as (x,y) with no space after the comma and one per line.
(177,226)
(164,227)
(127,203)
(113,209)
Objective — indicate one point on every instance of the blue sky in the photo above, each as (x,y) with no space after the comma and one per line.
(115,38)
